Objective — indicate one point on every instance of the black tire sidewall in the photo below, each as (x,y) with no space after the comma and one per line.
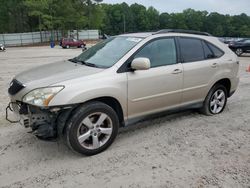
(76,119)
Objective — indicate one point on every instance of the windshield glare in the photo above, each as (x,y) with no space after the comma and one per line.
(108,52)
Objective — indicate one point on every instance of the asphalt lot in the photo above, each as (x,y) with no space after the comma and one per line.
(186,149)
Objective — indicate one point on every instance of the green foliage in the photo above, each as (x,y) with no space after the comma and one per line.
(35,15)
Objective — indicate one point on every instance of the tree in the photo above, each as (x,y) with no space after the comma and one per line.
(165,21)
(153,19)
(141,21)
(37,15)
(194,19)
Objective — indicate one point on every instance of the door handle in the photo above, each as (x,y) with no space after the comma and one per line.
(214,65)
(177,71)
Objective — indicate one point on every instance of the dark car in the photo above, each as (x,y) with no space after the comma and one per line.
(240,47)
(71,42)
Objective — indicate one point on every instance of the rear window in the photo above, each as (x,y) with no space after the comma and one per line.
(207,51)
(191,49)
(217,52)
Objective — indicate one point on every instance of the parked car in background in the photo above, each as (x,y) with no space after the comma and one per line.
(88,98)
(72,42)
(240,47)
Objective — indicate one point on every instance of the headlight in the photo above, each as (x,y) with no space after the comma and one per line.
(42,96)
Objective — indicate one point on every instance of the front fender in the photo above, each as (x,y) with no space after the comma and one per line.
(78,92)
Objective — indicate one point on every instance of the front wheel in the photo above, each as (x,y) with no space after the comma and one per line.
(239,51)
(92,128)
(215,101)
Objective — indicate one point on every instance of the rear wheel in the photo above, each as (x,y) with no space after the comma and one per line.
(239,51)
(67,46)
(215,101)
(92,129)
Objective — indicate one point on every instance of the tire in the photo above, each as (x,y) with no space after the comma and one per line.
(67,46)
(239,51)
(215,101)
(82,46)
(83,132)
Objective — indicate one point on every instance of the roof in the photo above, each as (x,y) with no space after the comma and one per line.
(139,35)
(166,31)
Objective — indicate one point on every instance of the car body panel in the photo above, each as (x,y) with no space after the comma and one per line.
(52,74)
(153,89)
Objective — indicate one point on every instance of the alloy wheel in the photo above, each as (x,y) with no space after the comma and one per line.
(217,101)
(239,51)
(95,130)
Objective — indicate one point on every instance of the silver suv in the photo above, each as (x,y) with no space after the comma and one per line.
(86,99)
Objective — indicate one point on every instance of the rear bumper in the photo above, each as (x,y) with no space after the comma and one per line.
(234,85)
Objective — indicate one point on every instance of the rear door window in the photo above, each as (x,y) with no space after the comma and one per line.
(191,49)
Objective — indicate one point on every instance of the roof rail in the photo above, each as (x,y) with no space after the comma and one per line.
(182,31)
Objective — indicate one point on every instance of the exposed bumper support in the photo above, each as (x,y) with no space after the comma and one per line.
(7,111)
(44,122)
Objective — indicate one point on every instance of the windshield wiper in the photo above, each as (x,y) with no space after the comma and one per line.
(88,64)
(74,60)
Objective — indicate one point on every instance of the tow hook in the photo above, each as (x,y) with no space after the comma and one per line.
(9,109)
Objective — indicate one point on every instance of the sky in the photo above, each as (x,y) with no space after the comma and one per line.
(232,7)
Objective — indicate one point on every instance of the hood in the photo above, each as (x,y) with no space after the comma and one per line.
(50,74)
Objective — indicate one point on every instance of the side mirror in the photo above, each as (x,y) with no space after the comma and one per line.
(141,63)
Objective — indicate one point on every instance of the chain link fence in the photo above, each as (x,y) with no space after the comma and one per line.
(32,38)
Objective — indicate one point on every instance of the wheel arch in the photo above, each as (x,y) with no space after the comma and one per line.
(64,116)
(226,83)
(114,104)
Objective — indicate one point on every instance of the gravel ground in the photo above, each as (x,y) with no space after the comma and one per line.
(180,150)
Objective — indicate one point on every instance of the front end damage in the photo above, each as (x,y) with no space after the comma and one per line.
(45,122)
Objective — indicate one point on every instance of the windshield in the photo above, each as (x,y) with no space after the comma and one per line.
(107,53)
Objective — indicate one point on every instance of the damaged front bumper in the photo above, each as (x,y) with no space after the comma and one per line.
(42,121)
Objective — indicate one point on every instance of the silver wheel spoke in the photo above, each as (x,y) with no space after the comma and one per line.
(87,122)
(221,104)
(84,137)
(215,108)
(101,119)
(212,103)
(216,95)
(96,143)
(220,95)
(106,130)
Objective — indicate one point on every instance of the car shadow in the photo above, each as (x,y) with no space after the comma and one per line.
(58,148)
(156,119)
(245,55)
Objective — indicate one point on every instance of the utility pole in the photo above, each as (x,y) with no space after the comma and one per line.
(40,27)
(124,23)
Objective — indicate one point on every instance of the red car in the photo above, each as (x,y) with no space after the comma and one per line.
(71,42)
